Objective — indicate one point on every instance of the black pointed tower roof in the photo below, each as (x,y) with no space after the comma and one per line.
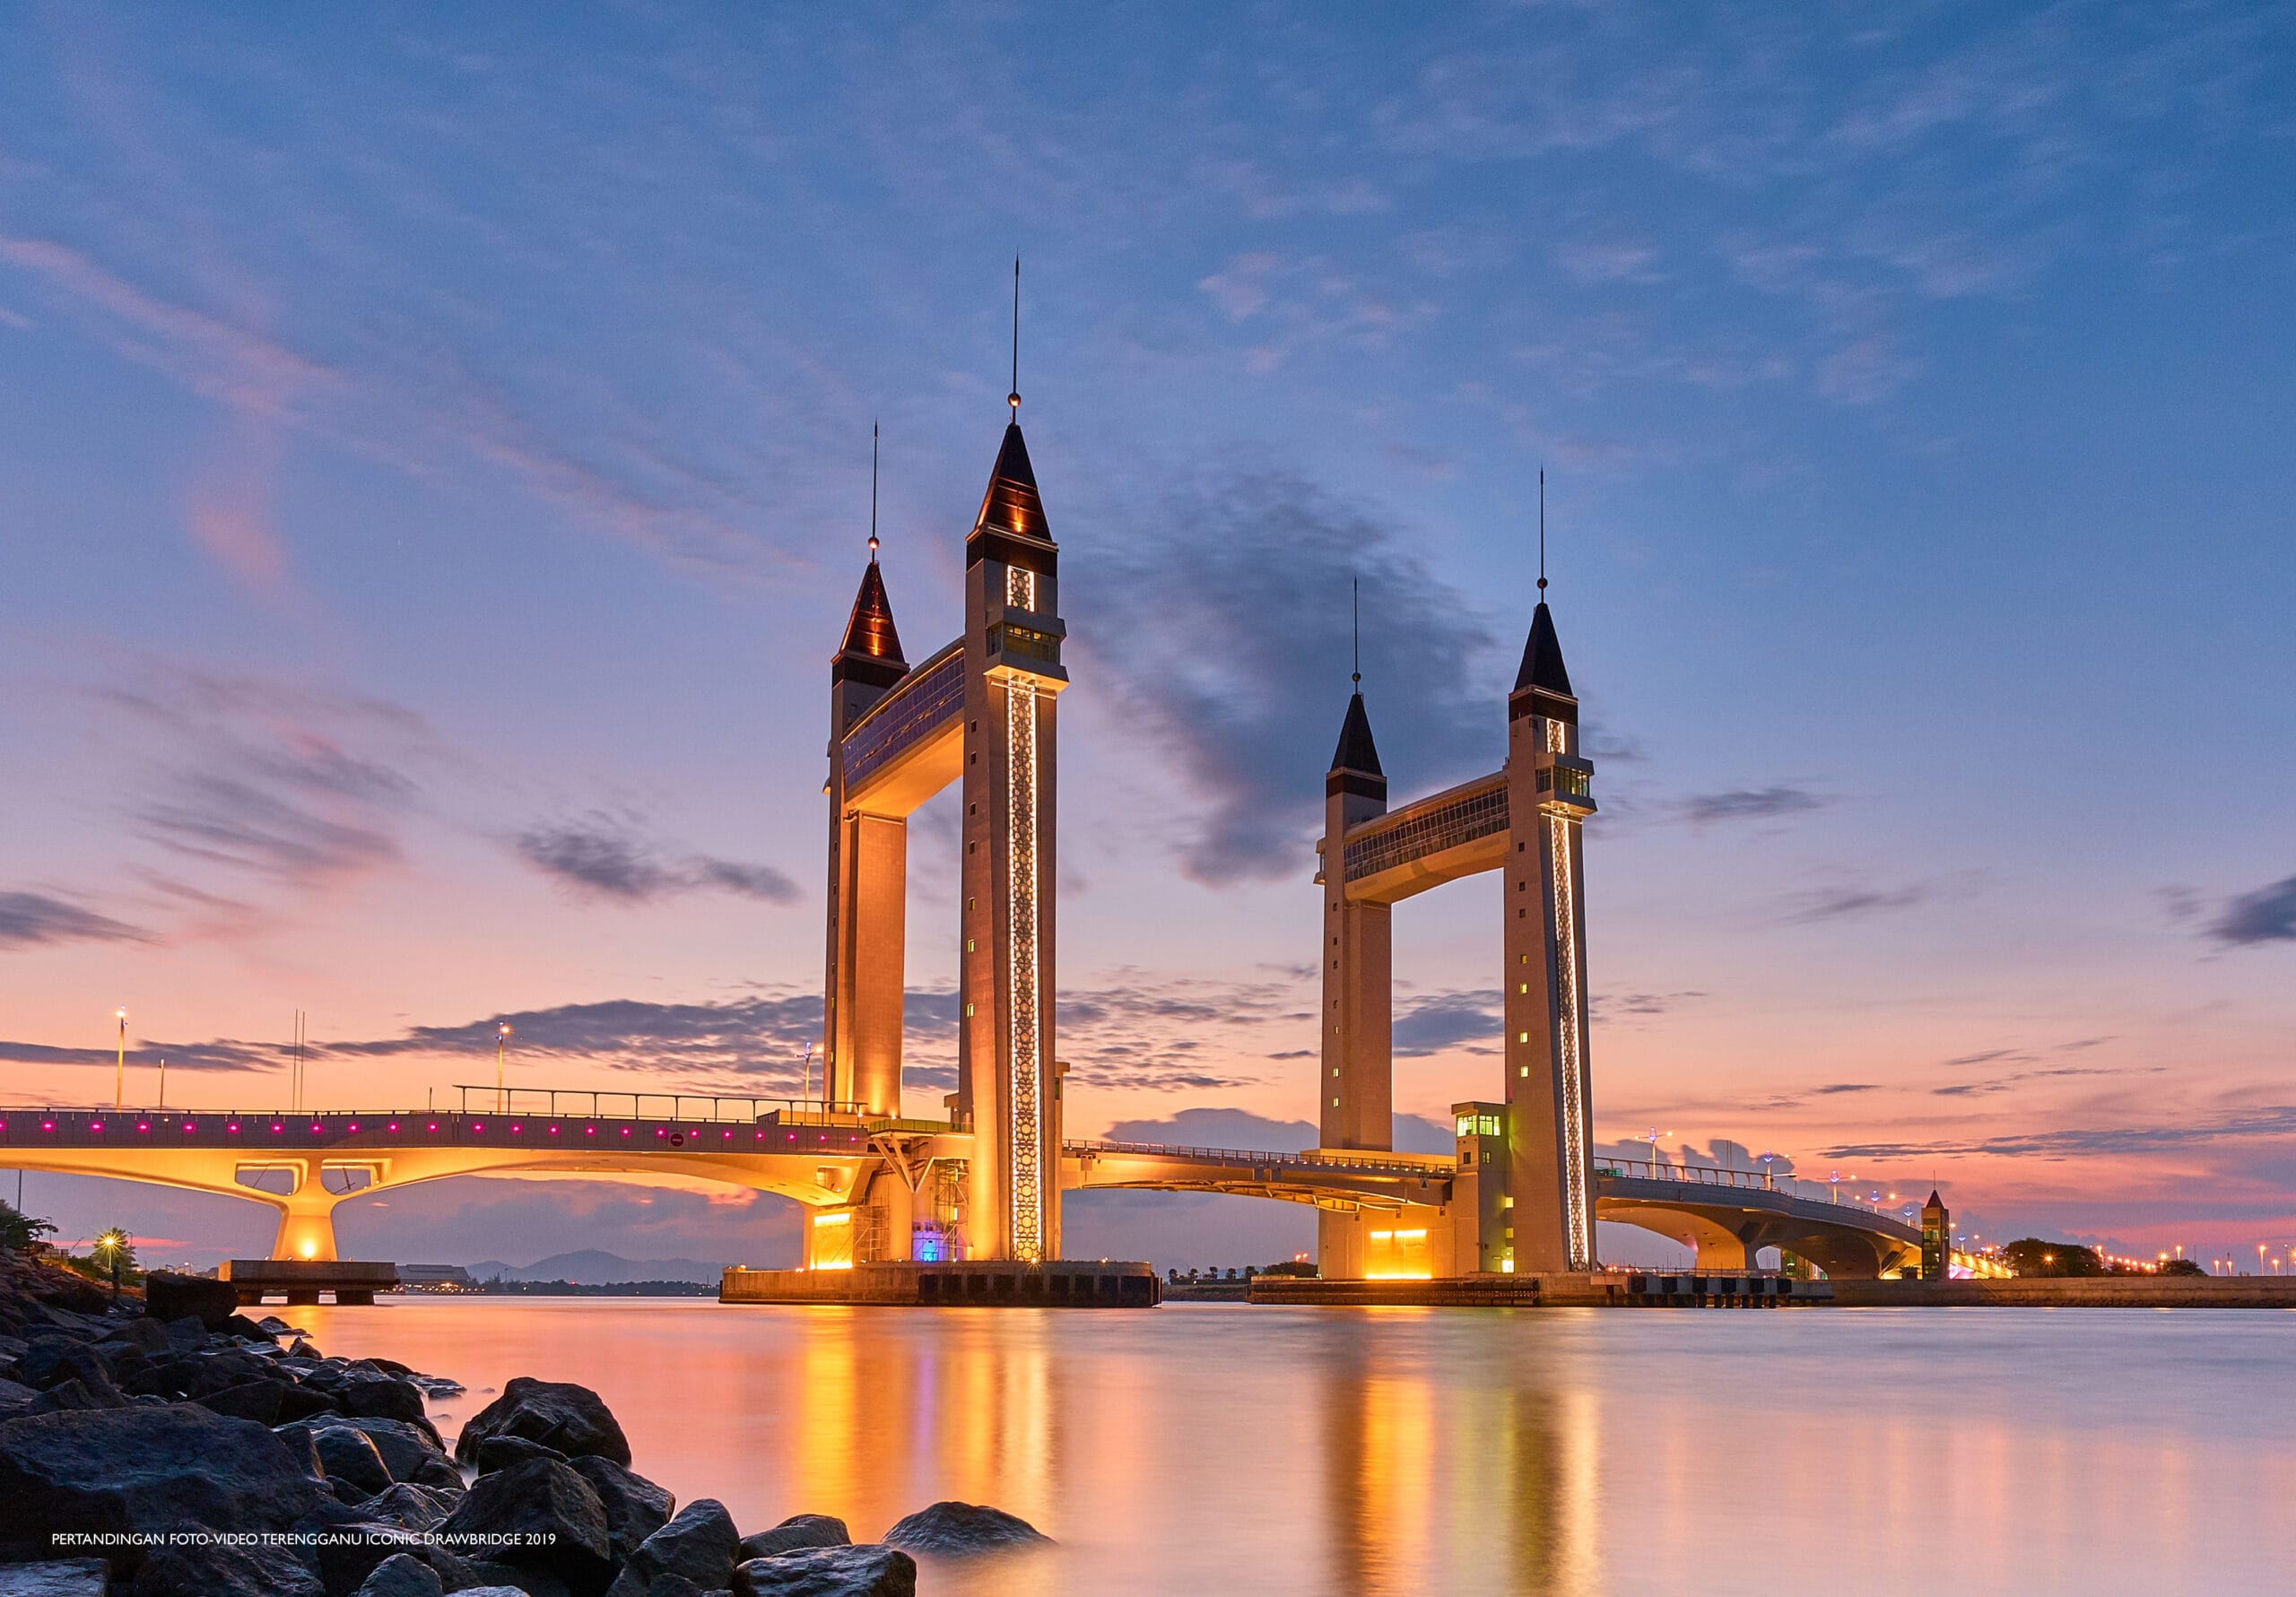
(1355,763)
(1935,1201)
(1356,750)
(1542,657)
(871,651)
(1012,504)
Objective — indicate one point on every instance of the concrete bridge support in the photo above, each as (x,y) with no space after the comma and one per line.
(307,1227)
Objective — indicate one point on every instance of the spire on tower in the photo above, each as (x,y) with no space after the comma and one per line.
(872,494)
(1542,657)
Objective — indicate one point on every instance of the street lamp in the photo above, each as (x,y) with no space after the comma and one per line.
(113,1241)
(502,1043)
(120,1081)
(1652,1138)
(1766,1157)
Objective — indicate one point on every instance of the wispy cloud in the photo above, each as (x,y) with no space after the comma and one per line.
(1749,804)
(607,858)
(2267,914)
(1264,564)
(28,919)
(1859,900)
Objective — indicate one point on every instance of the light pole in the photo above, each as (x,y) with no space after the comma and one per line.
(805,1088)
(112,1242)
(1652,1138)
(120,1081)
(501,1043)
(163,1081)
(1766,1178)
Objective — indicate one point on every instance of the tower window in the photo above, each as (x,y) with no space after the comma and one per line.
(1522,1037)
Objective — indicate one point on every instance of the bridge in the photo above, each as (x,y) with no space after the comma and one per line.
(1520,1193)
(845,1168)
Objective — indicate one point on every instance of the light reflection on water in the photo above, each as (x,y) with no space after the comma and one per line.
(1213,1448)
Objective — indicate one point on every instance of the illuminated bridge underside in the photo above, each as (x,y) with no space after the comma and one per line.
(910,744)
(323,1160)
(1442,837)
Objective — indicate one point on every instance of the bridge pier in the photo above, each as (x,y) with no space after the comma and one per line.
(306,1232)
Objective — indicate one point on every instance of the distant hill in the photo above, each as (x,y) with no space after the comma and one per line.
(594,1265)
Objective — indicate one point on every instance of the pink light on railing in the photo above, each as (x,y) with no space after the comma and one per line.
(235,1127)
(434,1126)
(97,1126)
(479,1127)
(354,1126)
(394,1125)
(316,1126)
(516,1129)
(589,1131)
(143,1125)
(276,1128)
(48,1126)
(625,1131)
(553,1130)
(188,1126)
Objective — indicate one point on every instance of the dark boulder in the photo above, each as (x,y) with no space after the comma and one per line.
(635,1506)
(248,1330)
(402,1576)
(58,1577)
(74,1397)
(559,1524)
(556,1413)
(185,1332)
(52,1361)
(305,1402)
(959,1529)
(439,1471)
(527,1579)
(146,1469)
(258,1401)
(350,1458)
(383,1397)
(500,1453)
(799,1530)
(869,1570)
(405,1445)
(143,1333)
(413,1507)
(168,1297)
(15,1398)
(208,1571)
(699,1543)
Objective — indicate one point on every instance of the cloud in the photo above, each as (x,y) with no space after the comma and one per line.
(222,1053)
(27,919)
(1446,1020)
(2267,914)
(223,820)
(603,856)
(2268,1121)
(1749,804)
(1262,564)
(1859,900)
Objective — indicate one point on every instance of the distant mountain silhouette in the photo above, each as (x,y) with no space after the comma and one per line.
(595,1266)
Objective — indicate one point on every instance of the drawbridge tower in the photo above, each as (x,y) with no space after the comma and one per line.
(980,713)
(1523,1193)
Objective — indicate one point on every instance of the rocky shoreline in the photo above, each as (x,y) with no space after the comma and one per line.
(173,1448)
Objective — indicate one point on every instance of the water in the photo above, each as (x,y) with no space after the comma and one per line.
(1213,1448)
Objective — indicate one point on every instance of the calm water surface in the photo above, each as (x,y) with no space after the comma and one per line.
(1213,1448)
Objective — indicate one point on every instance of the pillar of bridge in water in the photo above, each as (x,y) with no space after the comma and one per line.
(1007,1086)
(1356,1085)
(868,880)
(1549,1116)
(306,1230)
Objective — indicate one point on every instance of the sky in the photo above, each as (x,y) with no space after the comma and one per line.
(435,468)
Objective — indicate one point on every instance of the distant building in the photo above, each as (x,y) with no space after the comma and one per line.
(435,1278)
(1936,1239)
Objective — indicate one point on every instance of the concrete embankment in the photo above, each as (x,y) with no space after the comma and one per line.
(2093,1291)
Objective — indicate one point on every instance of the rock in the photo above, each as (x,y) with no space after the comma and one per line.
(145,1332)
(72,1397)
(246,1330)
(677,1585)
(529,1582)
(437,1385)
(304,1402)
(168,1297)
(440,1473)
(869,1570)
(500,1453)
(279,1327)
(52,1361)
(405,1446)
(384,1397)
(402,1576)
(958,1529)
(242,1571)
(185,1332)
(58,1577)
(560,1524)
(15,1398)
(414,1508)
(494,1592)
(258,1401)
(635,1506)
(349,1457)
(556,1413)
(303,1350)
(799,1530)
(698,1544)
(146,1469)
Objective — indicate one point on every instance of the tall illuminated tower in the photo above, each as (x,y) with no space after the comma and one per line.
(1007,1086)
(1550,793)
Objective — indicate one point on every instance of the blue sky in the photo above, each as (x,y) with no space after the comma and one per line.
(435,450)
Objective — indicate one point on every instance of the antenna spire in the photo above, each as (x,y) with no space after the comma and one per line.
(1542,532)
(1014,398)
(873,491)
(1355,592)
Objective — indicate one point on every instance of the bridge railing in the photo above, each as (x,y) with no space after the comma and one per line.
(1795,1186)
(1369,1160)
(583,1102)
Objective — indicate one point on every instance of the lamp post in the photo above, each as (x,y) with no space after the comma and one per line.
(112,1242)
(163,1081)
(1652,1137)
(1766,1180)
(501,1043)
(120,1081)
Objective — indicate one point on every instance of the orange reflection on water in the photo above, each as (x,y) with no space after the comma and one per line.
(1214,1448)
